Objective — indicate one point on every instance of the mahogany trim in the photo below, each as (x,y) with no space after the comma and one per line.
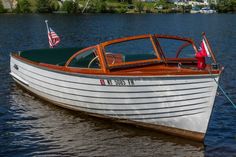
(155,70)
(159,56)
(173,37)
(119,40)
(103,61)
(158,46)
(134,63)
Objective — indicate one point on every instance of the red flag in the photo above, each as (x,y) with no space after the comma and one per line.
(203,51)
(53,38)
(201,54)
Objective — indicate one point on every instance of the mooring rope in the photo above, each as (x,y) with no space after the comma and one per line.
(223,91)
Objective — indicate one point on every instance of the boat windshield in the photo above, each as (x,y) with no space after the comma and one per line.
(130,51)
(85,59)
(175,48)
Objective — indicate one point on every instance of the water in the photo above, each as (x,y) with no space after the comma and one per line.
(32,127)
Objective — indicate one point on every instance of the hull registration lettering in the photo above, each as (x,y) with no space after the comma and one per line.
(117,82)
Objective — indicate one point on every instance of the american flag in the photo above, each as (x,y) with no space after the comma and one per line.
(53,38)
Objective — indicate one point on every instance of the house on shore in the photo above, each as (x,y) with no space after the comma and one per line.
(194,2)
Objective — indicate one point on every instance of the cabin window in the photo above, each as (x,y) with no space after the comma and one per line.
(173,48)
(87,59)
(130,51)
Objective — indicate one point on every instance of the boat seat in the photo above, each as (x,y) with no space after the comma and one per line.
(113,58)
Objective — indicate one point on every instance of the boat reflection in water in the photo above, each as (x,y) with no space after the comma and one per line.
(46,129)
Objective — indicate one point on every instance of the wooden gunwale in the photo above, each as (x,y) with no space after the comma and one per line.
(155,70)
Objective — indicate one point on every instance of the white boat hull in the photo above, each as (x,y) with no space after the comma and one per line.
(181,102)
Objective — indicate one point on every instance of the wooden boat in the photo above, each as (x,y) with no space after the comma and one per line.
(138,80)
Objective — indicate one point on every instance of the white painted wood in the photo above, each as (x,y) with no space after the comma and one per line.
(183,102)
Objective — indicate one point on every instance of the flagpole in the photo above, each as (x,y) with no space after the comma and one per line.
(53,38)
(209,47)
(46,21)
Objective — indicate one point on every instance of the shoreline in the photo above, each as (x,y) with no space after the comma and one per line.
(64,13)
(115,7)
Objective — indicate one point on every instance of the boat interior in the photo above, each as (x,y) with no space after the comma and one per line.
(143,52)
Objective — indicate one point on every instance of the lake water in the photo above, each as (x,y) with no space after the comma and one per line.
(32,127)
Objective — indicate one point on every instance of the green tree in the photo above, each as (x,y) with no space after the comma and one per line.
(33,4)
(78,6)
(43,6)
(54,5)
(122,9)
(127,1)
(164,3)
(226,6)
(100,6)
(23,6)
(139,6)
(2,10)
(69,6)
(97,6)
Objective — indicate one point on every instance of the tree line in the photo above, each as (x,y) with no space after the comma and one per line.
(69,6)
(226,6)
(107,6)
